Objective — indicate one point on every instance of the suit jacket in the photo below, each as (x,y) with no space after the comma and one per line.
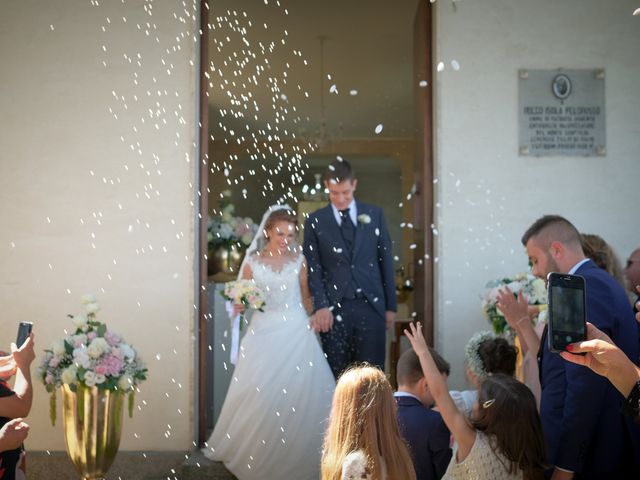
(332,267)
(427,437)
(580,410)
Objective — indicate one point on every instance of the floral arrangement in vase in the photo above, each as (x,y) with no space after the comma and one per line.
(226,229)
(534,288)
(93,356)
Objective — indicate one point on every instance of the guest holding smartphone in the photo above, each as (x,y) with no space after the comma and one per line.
(14,404)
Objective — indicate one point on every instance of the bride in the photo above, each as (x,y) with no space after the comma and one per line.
(273,418)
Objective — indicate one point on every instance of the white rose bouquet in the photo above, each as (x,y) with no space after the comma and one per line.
(92,357)
(246,293)
(534,288)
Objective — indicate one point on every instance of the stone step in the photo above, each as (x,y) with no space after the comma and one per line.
(132,466)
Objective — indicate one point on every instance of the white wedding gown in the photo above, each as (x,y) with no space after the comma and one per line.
(274,416)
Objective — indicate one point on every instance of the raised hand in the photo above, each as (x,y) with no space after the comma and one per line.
(24,355)
(513,309)
(415,336)
(12,434)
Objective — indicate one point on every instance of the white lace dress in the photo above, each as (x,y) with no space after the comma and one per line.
(482,463)
(274,416)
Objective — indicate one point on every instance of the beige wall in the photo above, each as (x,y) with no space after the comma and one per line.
(83,211)
(487,194)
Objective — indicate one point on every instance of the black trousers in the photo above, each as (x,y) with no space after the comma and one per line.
(358,335)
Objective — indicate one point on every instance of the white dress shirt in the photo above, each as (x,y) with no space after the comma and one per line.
(353,213)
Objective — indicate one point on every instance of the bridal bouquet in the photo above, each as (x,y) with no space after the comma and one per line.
(534,289)
(93,356)
(227,229)
(246,293)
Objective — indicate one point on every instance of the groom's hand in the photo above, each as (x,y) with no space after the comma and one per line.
(323,320)
(390,318)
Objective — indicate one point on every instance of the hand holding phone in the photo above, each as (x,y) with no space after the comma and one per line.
(567,311)
(24,330)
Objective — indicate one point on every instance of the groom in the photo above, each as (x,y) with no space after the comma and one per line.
(351,276)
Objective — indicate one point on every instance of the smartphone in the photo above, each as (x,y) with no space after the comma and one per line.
(24,329)
(567,310)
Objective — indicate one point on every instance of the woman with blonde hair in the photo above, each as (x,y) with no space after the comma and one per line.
(602,254)
(363,439)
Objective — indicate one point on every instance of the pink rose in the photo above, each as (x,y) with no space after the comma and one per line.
(112,339)
(54,362)
(49,378)
(91,335)
(101,370)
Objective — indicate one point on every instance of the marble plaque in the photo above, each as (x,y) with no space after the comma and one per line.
(561,112)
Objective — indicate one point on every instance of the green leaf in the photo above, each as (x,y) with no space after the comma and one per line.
(102,329)
(68,348)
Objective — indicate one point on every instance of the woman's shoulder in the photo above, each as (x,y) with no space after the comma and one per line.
(355,466)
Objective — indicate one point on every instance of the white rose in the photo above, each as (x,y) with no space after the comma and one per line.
(515,287)
(92,308)
(57,347)
(97,347)
(100,378)
(125,382)
(79,321)
(246,238)
(81,357)
(128,352)
(87,298)
(364,218)
(69,374)
(89,378)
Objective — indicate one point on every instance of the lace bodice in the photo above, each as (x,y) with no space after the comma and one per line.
(281,287)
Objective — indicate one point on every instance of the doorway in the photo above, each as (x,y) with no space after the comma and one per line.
(286,88)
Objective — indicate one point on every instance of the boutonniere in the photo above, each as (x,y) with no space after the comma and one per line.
(364,218)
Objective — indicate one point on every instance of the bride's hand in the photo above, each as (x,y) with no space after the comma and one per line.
(323,319)
(238,308)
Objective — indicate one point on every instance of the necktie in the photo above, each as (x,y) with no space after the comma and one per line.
(348,230)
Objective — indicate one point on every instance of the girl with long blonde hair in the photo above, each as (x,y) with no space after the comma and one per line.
(362,439)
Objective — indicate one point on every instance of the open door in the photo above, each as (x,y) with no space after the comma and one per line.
(422,61)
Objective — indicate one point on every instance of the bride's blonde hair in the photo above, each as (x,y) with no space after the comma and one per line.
(363,417)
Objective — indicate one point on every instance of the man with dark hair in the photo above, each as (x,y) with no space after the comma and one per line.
(422,428)
(580,411)
(351,275)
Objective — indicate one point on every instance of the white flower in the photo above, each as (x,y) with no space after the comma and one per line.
(128,352)
(364,218)
(100,378)
(92,308)
(69,374)
(89,378)
(81,357)
(515,287)
(87,298)
(97,347)
(125,382)
(58,348)
(79,321)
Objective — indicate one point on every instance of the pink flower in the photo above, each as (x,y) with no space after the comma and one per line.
(110,365)
(91,335)
(49,378)
(112,339)
(54,362)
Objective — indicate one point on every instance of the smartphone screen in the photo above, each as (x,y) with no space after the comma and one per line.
(567,310)
(24,329)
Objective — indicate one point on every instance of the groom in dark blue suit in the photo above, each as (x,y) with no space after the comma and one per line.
(586,435)
(351,275)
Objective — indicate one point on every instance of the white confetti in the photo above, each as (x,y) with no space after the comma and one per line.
(353,92)
(455,65)
(423,83)
(440,67)
(378,129)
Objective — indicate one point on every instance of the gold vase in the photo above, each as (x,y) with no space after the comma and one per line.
(225,260)
(92,428)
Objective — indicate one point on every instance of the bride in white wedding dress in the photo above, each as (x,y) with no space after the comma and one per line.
(273,418)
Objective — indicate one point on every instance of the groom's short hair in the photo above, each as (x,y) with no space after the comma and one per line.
(338,171)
